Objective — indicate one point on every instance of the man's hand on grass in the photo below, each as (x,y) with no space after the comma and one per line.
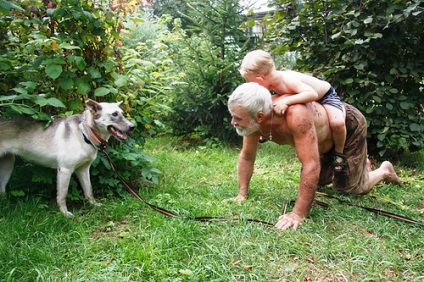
(236,199)
(286,221)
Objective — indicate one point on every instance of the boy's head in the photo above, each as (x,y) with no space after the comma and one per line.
(256,63)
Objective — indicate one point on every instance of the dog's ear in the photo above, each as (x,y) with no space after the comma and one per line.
(93,106)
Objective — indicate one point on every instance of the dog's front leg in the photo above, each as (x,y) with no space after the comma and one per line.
(63,178)
(6,167)
(83,174)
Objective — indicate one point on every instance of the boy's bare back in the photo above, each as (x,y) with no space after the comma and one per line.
(293,82)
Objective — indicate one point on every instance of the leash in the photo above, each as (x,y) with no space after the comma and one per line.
(171,214)
(376,211)
(256,221)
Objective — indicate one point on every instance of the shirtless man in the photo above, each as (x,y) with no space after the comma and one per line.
(258,66)
(306,127)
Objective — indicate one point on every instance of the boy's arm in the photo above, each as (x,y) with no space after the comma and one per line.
(302,93)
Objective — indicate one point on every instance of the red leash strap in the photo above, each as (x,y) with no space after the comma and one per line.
(377,211)
(171,214)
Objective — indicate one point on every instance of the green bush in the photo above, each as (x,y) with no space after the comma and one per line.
(56,56)
(371,52)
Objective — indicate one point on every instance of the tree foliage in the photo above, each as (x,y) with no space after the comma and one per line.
(208,51)
(371,51)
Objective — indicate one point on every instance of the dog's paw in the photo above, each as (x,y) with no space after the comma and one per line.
(68,214)
(94,203)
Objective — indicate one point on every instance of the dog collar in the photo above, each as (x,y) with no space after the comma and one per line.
(91,136)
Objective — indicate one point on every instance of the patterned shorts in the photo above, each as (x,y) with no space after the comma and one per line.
(331,98)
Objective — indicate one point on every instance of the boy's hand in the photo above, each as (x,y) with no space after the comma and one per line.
(280,107)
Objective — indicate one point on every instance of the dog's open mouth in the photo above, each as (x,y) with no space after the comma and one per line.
(117,133)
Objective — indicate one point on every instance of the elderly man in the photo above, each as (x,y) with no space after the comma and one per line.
(306,127)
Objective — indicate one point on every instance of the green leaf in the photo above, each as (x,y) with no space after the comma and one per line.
(368,20)
(53,71)
(66,83)
(101,91)
(376,98)
(359,66)
(6,6)
(8,97)
(75,105)
(94,73)
(80,63)
(415,127)
(20,90)
(336,35)
(251,23)
(28,110)
(348,81)
(55,103)
(54,61)
(41,101)
(121,81)
(404,105)
(68,46)
(30,85)
(16,108)
(82,86)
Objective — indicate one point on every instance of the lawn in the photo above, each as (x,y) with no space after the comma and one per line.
(125,240)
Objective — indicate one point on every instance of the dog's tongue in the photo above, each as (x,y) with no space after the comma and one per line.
(117,133)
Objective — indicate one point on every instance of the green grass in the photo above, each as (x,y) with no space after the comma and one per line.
(125,240)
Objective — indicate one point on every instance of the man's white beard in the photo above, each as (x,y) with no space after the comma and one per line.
(252,128)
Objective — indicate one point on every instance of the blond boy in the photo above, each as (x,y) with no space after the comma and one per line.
(258,66)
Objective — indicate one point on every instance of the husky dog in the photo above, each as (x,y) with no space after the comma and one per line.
(69,144)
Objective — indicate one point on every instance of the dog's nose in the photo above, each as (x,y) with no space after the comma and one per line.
(131,127)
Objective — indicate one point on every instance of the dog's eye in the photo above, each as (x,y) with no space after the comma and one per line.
(115,114)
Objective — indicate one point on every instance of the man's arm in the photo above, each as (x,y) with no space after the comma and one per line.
(245,166)
(246,163)
(301,124)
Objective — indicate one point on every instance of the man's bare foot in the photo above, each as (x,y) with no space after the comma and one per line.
(389,173)
(236,199)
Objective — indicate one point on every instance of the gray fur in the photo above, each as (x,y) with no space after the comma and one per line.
(61,145)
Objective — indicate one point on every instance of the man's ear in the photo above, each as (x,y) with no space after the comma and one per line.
(260,117)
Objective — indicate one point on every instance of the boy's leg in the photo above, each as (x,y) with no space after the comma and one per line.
(336,120)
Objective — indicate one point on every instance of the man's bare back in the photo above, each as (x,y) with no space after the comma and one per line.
(282,134)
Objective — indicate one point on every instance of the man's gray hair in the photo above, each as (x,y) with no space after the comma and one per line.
(253,97)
